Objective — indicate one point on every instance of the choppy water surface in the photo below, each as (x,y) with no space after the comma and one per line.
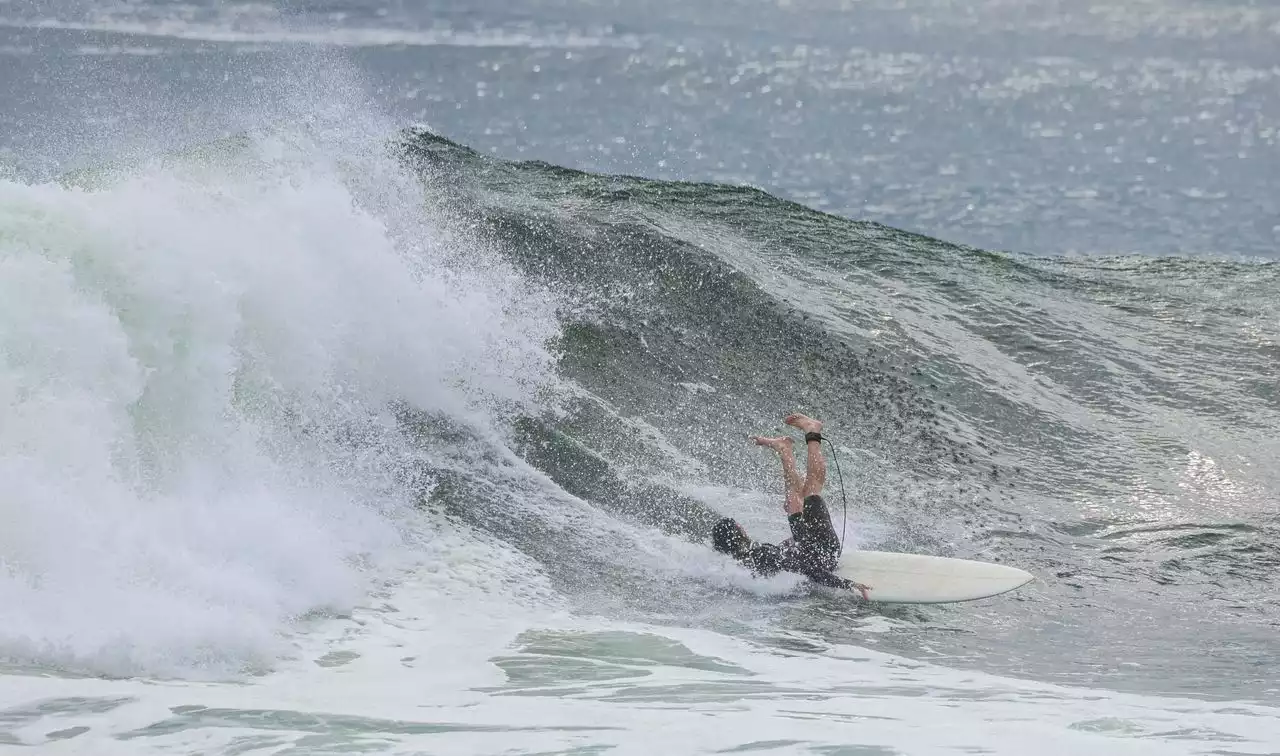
(343,411)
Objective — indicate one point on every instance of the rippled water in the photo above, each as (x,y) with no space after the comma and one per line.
(1057,127)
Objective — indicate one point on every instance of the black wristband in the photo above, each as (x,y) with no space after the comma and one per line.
(810,437)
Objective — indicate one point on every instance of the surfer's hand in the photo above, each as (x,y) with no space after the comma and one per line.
(863,589)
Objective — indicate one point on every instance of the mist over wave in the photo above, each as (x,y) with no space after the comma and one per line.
(203,361)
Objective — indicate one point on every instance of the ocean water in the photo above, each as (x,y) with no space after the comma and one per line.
(372,372)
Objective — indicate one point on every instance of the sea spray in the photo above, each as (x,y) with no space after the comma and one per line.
(199,365)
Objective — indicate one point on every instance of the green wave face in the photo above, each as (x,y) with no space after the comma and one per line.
(1106,422)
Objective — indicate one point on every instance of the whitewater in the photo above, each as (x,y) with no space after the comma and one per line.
(322,435)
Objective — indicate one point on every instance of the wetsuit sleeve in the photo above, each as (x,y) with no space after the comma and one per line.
(822,577)
(765,560)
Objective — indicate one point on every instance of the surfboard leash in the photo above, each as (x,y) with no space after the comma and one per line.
(844,501)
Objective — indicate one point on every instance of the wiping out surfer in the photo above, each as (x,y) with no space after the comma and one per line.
(814,548)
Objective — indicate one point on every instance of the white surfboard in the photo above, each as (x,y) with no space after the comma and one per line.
(920,579)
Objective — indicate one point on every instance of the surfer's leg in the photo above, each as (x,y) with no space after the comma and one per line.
(816,465)
(815,470)
(786,453)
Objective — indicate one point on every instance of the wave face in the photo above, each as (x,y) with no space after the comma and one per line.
(1107,421)
(250,384)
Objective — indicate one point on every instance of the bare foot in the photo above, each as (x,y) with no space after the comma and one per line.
(777,444)
(804,423)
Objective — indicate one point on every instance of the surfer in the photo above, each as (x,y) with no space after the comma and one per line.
(814,548)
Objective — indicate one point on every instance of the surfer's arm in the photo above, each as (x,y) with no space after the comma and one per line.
(765,559)
(831,580)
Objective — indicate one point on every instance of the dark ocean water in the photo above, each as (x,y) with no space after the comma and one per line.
(859,212)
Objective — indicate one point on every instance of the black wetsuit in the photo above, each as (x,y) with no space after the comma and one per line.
(814,549)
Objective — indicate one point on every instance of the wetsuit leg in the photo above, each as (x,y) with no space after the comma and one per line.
(815,535)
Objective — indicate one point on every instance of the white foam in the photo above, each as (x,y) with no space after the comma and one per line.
(198,368)
(428,675)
